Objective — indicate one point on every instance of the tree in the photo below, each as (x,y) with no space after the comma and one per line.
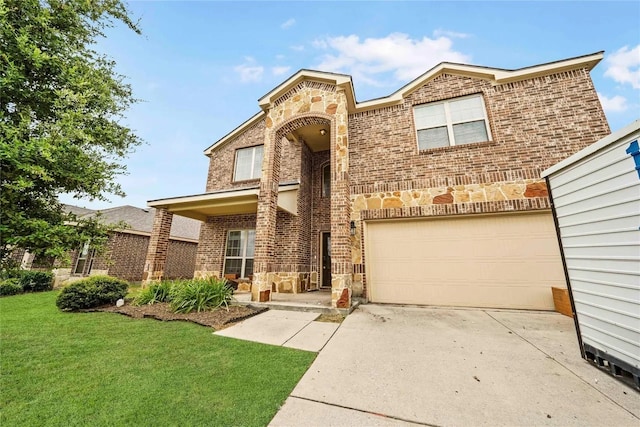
(61,103)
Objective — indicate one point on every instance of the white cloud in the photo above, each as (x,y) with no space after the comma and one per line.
(297,47)
(278,71)
(398,54)
(615,104)
(451,34)
(280,56)
(623,66)
(288,23)
(249,71)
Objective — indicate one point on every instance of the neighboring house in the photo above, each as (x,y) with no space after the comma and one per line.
(431,195)
(127,248)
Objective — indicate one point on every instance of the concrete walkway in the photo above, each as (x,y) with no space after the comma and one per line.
(295,329)
(389,365)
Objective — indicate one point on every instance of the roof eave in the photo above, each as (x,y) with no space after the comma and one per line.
(319,76)
(237,131)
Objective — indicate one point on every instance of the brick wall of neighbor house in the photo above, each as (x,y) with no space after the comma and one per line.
(534,124)
(181,259)
(221,165)
(125,256)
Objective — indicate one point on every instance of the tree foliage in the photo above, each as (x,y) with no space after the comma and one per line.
(61,103)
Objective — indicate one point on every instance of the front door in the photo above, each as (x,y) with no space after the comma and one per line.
(326,260)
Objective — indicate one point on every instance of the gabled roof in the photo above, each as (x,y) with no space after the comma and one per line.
(340,80)
(140,221)
(495,75)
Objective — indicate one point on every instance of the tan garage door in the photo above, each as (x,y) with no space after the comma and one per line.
(505,260)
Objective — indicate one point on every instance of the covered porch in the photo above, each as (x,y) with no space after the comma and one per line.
(225,211)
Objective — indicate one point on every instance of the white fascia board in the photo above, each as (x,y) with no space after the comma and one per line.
(496,75)
(625,132)
(332,78)
(237,131)
(202,198)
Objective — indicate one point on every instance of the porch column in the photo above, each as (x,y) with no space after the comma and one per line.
(208,255)
(266,219)
(158,247)
(341,262)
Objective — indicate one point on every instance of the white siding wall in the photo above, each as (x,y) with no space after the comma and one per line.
(597,199)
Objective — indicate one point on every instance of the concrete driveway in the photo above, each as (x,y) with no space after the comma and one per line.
(389,365)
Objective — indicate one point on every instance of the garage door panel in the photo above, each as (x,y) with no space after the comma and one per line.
(528,297)
(507,261)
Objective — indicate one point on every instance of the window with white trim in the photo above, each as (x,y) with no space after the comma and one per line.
(239,253)
(248,163)
(453,122)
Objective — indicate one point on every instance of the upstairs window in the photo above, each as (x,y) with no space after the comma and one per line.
(248,163)
(454,122)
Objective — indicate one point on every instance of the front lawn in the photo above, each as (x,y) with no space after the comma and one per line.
(107,369)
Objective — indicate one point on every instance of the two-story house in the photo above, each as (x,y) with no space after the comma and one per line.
(431,195)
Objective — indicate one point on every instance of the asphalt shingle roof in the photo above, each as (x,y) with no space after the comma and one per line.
(141,220)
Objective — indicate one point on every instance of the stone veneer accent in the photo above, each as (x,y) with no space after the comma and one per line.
(285,282)
(306,104)
(469,193)
(528,194)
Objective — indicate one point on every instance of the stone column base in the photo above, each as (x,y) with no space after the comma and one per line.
(261,284)
(341,290)
(149,277)
(205,274)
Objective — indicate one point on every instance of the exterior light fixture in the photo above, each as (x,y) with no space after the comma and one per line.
(323,132)
(353,228)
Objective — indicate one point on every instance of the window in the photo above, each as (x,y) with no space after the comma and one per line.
(248,163)
(239,253)
(84,261)
(454,122)
(326,180)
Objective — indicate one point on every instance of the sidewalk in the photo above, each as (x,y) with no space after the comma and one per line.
(295,329)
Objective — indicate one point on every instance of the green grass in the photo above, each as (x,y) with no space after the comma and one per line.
(107,369)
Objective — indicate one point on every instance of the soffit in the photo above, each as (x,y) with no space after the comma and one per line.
(233,202)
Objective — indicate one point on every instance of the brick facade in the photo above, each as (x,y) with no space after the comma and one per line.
(534,124)
(125,257)
(536,118)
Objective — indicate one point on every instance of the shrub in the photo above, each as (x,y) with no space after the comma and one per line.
(10,287)
(77,296)
(91,292)
(36,281)
(109,289)
(10,273)
(200,294)
(155,293)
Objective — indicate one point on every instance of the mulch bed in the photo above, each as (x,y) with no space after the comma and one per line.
(217,319)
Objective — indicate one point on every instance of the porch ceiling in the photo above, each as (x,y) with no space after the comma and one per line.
(232,202)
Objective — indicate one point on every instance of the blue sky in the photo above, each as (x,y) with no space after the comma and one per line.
(200,67)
